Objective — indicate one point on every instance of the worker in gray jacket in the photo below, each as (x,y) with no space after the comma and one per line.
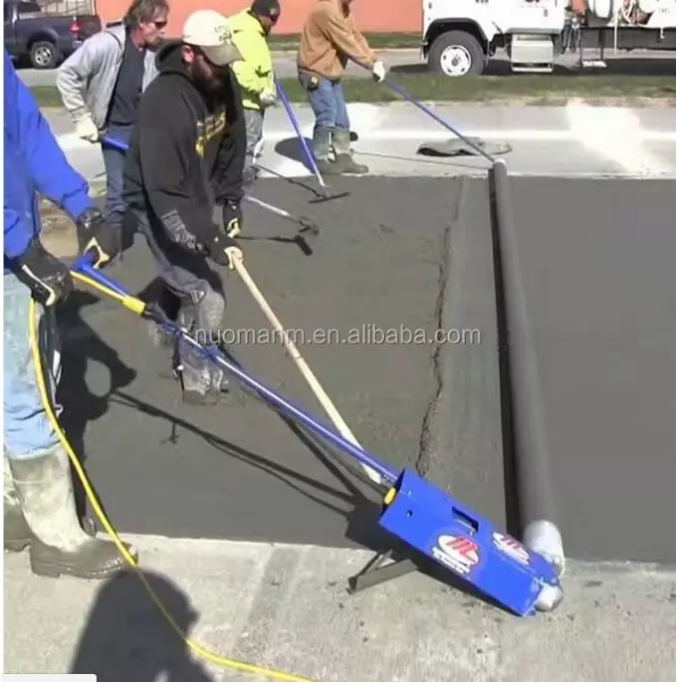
(100,85)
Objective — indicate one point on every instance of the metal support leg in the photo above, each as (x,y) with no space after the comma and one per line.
(375,572)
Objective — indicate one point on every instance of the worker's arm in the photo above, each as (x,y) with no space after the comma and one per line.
(255,70)
(75,71)
(167,143)
(361,40)
(339,32)
(229,185)
(49,170)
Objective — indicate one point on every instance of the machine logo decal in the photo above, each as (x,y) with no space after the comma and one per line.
(511,547)
(459,553)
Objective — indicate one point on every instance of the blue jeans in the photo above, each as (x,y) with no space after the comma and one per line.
(28,432)
(114,161)
(328,105)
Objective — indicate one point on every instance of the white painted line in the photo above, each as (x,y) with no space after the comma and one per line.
(70,141)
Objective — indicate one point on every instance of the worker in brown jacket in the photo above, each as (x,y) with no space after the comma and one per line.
(329,39)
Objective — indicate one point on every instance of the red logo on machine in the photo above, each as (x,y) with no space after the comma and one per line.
(511,547)
(459,553)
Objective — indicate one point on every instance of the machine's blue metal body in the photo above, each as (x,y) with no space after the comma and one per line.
(416,511)
(439,526)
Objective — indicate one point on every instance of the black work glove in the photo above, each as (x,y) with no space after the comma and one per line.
(223,250)
(97,237)
(49,280)
(232,217)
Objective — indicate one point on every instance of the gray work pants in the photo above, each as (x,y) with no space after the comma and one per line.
(201,296)
(254,127)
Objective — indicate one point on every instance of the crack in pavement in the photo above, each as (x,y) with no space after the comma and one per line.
(423,462)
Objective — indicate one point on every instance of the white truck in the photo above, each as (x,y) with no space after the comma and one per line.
(460,37)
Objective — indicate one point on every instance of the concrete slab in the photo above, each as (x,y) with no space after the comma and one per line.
(415,256)
(597,259)
(240,472)
(286,607)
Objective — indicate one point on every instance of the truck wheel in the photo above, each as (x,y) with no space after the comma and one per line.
(457,53)
(44,55)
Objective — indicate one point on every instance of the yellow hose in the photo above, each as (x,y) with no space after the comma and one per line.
(138,306)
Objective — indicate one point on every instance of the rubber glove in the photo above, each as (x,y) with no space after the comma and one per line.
(224,251)
(97,237)
(232,215)
(49,280)
(268,98)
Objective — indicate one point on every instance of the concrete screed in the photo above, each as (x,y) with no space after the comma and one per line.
(415,253)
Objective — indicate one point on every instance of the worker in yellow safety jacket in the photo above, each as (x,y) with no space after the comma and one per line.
(254,73)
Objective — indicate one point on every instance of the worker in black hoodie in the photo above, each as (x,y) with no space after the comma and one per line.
(186,158)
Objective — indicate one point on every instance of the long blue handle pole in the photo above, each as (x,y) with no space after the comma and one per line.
(404,93)
(84,266)
(295,125)
(114,142)
(407,96)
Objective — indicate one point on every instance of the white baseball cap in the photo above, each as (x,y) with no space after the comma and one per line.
(210,31)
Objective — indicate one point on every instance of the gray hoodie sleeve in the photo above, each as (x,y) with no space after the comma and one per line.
(74,75)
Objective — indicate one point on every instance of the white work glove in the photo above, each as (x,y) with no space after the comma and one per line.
(87,129)
(379,72)
(268,98)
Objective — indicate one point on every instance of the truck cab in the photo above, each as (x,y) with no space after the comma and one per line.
(41,38)
(460,37)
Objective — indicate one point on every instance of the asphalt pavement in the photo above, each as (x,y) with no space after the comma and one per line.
(405,256)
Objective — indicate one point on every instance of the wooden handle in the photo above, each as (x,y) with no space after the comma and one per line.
(292,350)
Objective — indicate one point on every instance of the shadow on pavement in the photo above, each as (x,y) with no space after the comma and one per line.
(80,405)
(127,639)
(362,525)
(292,149)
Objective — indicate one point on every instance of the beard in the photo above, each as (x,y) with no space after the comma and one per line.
(210,84)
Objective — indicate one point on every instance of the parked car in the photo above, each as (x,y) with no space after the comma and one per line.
(41,38)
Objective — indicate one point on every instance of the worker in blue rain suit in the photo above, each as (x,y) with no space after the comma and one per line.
(39,502)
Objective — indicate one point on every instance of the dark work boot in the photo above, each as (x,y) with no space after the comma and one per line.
(60,546)
(321,151)
(18,534)
(341,142)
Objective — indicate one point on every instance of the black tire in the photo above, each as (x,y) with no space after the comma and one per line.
(473,59)
(44,55)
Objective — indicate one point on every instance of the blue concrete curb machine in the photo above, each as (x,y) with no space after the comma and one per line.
(414,510)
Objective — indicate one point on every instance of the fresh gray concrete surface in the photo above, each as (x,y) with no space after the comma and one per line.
(287,608)
(596,258)
(598,268)
(239,471)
